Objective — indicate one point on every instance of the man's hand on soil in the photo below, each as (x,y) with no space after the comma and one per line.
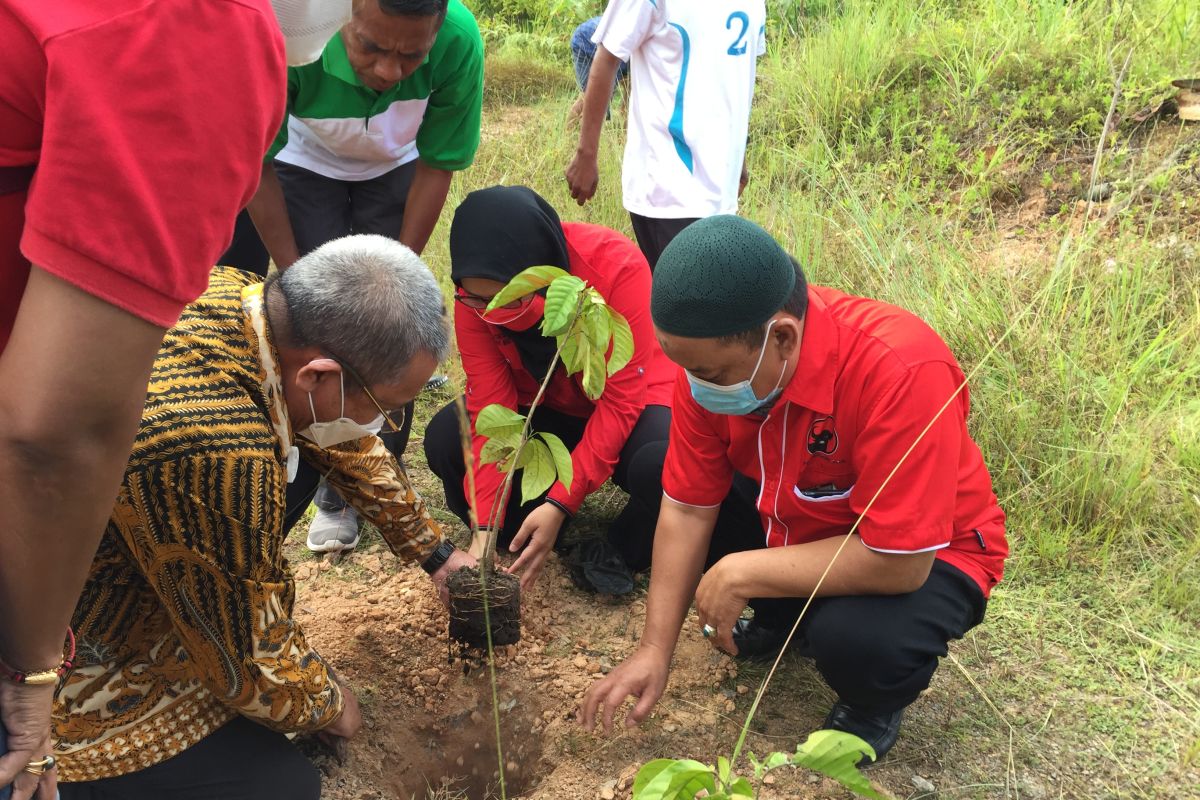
(458,559)
(643,675)
(540,530)
(720,600)
(583,175)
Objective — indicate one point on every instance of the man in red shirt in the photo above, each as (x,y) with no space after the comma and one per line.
(131,132)
(826,428)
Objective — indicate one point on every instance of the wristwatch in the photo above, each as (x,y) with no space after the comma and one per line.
(439,557)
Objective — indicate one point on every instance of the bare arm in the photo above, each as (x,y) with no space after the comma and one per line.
(74,375)
(680,546)
(794,572)
(269,211)
(426,197)
(583,174)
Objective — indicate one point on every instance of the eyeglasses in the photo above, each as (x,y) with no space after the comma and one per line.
(475,301)
(386,416)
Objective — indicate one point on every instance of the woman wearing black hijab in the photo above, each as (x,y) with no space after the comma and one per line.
(497,233)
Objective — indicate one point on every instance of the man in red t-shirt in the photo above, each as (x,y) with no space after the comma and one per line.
(131,132)
(824,428)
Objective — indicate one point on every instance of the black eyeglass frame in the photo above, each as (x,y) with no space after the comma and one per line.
(358,379)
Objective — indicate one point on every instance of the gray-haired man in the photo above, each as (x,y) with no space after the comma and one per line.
(185,625)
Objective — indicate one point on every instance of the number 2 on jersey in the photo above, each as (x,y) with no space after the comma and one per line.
(739,44)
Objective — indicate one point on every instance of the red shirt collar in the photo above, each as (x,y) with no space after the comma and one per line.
(811,385)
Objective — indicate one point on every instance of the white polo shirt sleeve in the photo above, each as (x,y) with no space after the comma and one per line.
(626,24)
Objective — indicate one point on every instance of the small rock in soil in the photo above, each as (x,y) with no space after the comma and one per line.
(923,785)
(742,688)
(1098,193)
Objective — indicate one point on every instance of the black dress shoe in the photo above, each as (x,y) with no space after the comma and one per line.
(756,641)
(878,730)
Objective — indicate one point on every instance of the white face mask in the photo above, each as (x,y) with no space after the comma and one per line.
(342,429)
(308,25)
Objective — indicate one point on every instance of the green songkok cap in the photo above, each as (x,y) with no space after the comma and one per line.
(720,276)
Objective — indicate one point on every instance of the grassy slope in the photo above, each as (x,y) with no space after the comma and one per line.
(933,154)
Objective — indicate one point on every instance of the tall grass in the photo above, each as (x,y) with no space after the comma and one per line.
(889,139)
(895,147)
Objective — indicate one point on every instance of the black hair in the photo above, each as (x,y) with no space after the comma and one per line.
(414,8)
(796,305)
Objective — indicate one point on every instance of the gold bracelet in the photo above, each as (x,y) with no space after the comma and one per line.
(42,678)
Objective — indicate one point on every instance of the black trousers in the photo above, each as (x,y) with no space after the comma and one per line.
(653,234)
(242,760)
(878,652)
(322,209)
(638,472)
(304,489)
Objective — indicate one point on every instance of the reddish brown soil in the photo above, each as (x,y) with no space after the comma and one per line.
(429,722)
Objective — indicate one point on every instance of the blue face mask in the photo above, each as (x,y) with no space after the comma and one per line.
(737,399)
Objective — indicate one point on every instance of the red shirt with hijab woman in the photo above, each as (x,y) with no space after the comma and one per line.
(496,233)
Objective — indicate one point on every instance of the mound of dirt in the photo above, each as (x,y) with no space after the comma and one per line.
(429,726)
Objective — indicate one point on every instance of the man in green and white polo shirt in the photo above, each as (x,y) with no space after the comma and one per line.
(376,129)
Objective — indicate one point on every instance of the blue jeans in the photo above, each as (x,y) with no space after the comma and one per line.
(583,50)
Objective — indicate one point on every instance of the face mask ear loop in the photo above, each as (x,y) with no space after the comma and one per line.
(762,352)
(312,408)
(342,386)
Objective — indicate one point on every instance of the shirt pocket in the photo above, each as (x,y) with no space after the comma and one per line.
(821,510)
(828,493)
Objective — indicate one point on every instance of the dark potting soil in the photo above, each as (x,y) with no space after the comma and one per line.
(467,619)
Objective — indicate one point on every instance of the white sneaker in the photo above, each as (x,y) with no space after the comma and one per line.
(333,531)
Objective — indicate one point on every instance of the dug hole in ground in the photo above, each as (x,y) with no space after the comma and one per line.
(429,729)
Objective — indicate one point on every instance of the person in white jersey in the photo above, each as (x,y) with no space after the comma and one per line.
(692,66)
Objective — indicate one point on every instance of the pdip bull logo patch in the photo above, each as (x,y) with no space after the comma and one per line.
(822,438)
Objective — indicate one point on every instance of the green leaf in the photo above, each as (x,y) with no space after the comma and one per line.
(594,374)
(496,452)
(597,326)
(562,305)
(538,470)
(835,754)
(500,424)
(574,349)
(562,459)
(622,342)
(777,760)
(649,771)
(673,779)
(723,769)
(740,788)
(525,282)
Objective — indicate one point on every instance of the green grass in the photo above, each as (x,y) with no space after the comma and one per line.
(897,148)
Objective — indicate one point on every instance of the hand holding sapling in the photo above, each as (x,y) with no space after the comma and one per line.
(457,560)
(540,530)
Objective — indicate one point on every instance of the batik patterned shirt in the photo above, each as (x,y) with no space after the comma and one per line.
(186,618)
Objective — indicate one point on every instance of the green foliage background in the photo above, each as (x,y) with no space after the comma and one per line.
(938,154)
